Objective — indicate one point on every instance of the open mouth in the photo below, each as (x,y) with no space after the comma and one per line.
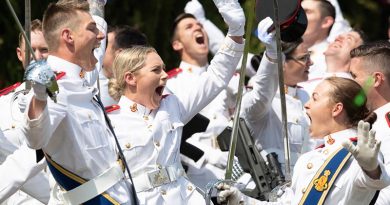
(199,39)
(159,90)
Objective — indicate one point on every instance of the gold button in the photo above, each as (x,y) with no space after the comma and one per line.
(146,117)
(159,166)
(326,152)
(13,126)
(189,187)
(157,143)
(149,126)
(309,165)
(303,190)
(128,145)
(163,192)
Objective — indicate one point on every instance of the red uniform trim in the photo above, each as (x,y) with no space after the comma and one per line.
(172,73)
(9,89)
(387,116)
(59,75)
(111,108)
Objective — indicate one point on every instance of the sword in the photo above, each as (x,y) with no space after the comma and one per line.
(233,139)
(282,94)
(26,35)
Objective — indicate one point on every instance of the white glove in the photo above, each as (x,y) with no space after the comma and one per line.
(39,91)
(367,148)
(195,8)
(218,158)
(233,16)
(267,38)
(228,194)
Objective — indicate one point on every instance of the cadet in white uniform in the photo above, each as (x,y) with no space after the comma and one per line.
(370,68)
(19,163)
(118,38)
(261,107)
(150,125)
(193,47)
(337,59)
(73,132)
(349,176)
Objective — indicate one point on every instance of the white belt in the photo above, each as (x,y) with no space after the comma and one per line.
(94,187)
(155,178)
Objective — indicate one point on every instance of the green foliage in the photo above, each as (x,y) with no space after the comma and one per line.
(154,18)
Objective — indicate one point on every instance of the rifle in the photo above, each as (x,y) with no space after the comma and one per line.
(266,174)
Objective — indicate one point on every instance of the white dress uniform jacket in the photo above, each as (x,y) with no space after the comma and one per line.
(18,162)
(262,113)
(73,131)
(151,138)
(382,128)
(352,186)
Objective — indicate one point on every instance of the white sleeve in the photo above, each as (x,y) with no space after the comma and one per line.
(16,169)
(257,103)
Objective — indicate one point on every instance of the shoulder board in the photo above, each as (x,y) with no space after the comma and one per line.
(59,75)
(352,139)
(9,89)
(172,73)
(388,118)
(112,108)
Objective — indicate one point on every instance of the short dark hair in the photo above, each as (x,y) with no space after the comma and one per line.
(289,47)
(327,9)
(58,15)
(376,56)
(177,20)
(127,37)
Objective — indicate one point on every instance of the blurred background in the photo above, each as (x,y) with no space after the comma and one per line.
(154,18)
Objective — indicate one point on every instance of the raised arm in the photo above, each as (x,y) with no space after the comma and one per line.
(257,102)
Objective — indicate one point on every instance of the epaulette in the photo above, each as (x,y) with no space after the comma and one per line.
(9,89)
(353,139)
(174,72)
(388,118)
(111,108)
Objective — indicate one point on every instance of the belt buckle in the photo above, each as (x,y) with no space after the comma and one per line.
(158,177)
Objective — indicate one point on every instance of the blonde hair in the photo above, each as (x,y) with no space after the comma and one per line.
(129,60)
(60,15)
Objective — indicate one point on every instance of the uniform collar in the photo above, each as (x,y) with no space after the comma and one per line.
(189,68)
(338,137)
(60,65)
(381,111)
(291,91)
(133,107)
